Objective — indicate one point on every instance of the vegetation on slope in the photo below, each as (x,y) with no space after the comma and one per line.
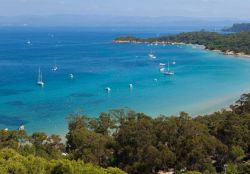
(14,163)
(238,42)
(137,144)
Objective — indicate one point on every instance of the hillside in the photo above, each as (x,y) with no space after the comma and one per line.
(238,28)
(228,43)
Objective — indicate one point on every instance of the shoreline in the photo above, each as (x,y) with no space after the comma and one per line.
(228,52)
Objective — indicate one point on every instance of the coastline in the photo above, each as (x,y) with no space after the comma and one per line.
(228,52)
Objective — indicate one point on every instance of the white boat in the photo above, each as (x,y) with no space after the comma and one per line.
(168,72)
(174,62)
(71,76)
(162,64)
(28,42)
(54,68)
(21,128)
(162,70)
(155,80)
(40,78)
(108,89)
(151,55)
(130,85)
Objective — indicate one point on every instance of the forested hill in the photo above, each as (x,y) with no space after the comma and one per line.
(238,28)
(236,43)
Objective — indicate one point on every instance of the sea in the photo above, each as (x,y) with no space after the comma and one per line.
(204,81)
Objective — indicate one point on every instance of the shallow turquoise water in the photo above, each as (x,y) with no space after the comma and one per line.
(204,81)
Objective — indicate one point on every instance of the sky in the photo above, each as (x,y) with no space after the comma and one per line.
(187,8)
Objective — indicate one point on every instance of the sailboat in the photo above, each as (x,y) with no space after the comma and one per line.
(168,72)
(40,78)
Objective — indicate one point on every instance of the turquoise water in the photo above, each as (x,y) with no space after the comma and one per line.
(204,81)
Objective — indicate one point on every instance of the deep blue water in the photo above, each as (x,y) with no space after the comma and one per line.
(204,81)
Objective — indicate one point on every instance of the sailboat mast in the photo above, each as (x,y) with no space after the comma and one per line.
(38,79)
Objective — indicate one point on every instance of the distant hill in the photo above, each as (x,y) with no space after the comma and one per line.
(234,43)
(238,28)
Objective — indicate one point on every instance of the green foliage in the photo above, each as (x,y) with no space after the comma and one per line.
(136,143)
(12,139)
(238,42)
(88,145)
(49,147)
(105,124)
(38,143)
(231,169)
(244,167)
(192,172)
(13,163)
(242,105)
(237,152)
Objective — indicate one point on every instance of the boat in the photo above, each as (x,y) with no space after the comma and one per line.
(162,70)
(174,62)
(168,72)
(108,89)
(71,76)
(54,68)
(162,64)
(28,42)
(21,128)
(130,85)
(40,78)
(151,55)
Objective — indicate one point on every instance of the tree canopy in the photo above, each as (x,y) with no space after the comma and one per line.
(135,143)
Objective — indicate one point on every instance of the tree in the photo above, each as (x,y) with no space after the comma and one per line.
(87,145)
(137,148)
(103,125)
(46,146)
(242,105)
(12,139)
